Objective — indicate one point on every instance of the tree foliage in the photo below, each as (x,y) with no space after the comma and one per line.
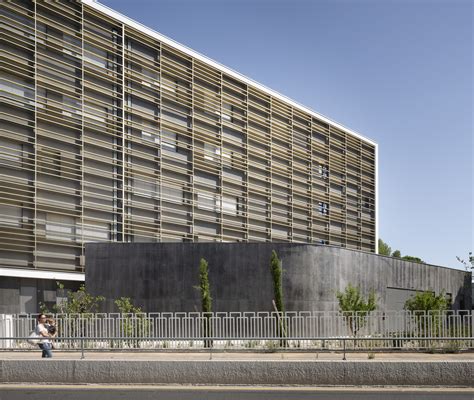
(468,265)
(206,300)
(133,322)
(355,308)
(125,306)
(277,277)
(397,254)
(384,248)
(413,259)
(79,302)
(78,305)
(204,286)
(353,300)
(277,272)
(427,301)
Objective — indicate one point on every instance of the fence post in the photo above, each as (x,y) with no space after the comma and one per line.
(82,348)
(344,346)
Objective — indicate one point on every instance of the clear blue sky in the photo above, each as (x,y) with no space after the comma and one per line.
(399,72)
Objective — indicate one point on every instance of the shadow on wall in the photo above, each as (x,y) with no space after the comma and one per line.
(464,295)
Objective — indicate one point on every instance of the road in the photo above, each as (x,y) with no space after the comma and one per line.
(103,392)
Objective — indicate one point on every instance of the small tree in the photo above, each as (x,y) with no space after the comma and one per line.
(355,308)
(204,286)
(468,265)
(427,309)
(397,254)
(77,306)
(206,299)
(427,301)
(277,272)
(277,275)
(80,302)
(384,248)
(133,321)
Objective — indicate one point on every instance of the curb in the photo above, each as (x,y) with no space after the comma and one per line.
(326,373)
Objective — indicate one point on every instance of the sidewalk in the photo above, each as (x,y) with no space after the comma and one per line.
(236,356)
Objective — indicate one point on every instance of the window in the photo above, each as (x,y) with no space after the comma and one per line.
(229,205)
(322,171)
(95,56)
(279,231)
(59,227)
(151,77)
(70,106)
(337,189)
(211,152)
(202,178)
(95,112)
(142,50)
(169,141)
(207,202)
(229,173)
(174,89)
(227,111)
(232,135)
(17,89)
(150,137)
(94,231)
(10,153)
(143,106)
(205,228)
(172,194)
(10,216)
(323,208)
(175,118)
(335,227)
(49,162)
(145,189)
(366,201)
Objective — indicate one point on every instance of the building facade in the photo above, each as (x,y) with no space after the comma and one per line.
(113,132)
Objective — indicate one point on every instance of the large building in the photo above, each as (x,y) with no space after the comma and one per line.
(113,132)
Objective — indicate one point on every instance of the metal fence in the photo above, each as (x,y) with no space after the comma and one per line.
(450,330)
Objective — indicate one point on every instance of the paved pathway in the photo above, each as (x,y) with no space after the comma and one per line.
(193,356)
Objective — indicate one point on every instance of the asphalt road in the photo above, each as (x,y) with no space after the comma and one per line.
(25,392)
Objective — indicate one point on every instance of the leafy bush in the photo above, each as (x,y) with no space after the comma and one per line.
(133,322)
(355,308)
(426,305)
(427,301)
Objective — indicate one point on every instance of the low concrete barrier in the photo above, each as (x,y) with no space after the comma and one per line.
(324,373)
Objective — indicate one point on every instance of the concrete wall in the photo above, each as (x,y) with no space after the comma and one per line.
(9,295)
(162,276)
(338,373)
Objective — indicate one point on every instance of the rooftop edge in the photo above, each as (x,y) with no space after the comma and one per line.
(162,38)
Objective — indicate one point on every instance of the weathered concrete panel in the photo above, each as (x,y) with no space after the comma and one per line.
(162,276)
(337,373)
